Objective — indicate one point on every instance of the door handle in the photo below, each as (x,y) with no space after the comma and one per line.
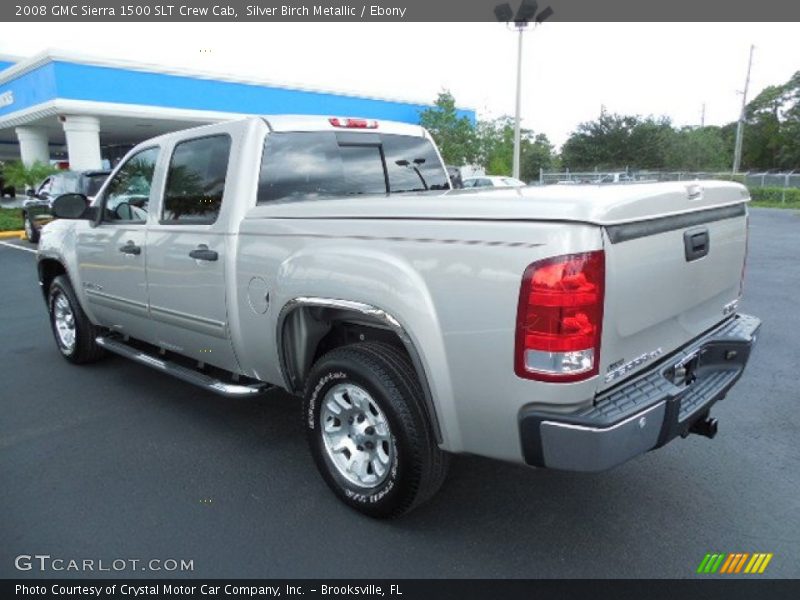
(696,243)
(130,248)
(203,253)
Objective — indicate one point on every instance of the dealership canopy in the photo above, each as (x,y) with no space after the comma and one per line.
(88,111)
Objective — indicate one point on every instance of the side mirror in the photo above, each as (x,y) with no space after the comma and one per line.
(70,206)
(30,193)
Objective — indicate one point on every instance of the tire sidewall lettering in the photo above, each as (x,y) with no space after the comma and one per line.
(361,497)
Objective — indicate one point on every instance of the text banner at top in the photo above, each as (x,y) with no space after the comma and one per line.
(402,10)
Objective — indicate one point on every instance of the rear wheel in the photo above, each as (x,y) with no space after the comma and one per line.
(368,432)
(74,333)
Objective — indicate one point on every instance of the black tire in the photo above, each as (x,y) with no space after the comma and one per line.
(385,373)
(31,233)
(84,349)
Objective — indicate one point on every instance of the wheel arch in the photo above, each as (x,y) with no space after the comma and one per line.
(49,269)
(308,326)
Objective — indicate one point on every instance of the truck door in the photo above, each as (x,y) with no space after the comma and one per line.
(187,251)
(112,254)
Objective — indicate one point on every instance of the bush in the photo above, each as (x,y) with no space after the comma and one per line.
(776,196)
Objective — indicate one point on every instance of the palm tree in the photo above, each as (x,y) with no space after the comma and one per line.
(19,175)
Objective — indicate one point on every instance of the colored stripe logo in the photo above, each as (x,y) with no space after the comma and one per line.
(735,562)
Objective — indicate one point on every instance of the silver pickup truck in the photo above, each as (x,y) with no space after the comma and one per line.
(567,327)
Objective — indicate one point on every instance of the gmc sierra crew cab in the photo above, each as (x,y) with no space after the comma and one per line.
(565,327)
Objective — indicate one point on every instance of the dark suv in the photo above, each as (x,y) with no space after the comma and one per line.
(36,209)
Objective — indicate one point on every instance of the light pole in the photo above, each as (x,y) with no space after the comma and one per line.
(526,11)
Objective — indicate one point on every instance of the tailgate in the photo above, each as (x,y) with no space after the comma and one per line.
(669,279)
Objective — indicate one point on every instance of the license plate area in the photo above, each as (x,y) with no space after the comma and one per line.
(711,357)
(684,372)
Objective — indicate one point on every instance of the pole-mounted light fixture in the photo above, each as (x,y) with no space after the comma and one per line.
(526,13)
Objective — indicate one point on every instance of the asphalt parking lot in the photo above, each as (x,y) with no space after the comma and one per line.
(115,460)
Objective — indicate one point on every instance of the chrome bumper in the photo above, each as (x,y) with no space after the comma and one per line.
(646,412)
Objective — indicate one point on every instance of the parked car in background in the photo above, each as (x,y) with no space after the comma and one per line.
(620,177)
(492,181)
(36,211)
(6,190)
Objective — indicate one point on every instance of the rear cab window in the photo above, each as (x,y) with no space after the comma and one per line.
(305,165)
(196,181)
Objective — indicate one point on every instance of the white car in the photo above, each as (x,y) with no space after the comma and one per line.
(493,181)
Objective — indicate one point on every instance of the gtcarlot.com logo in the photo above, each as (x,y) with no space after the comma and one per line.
(734,562)
(45,562)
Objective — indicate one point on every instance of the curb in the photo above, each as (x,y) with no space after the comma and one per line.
(4,235)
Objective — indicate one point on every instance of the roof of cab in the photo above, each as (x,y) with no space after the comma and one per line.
(299,123)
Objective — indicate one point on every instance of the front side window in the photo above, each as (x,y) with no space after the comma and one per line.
(306,165)
(127,196)
(196,180)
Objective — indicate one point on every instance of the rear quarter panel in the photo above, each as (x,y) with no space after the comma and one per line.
(452,285)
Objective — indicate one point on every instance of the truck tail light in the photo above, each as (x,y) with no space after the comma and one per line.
(559,318)
(353,123)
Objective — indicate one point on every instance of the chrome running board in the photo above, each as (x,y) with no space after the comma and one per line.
(230,390)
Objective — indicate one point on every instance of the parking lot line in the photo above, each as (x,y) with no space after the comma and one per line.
(17,247)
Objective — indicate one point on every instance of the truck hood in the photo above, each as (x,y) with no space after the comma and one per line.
(597,204)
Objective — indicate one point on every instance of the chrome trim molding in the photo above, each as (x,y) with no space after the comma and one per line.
(371,311)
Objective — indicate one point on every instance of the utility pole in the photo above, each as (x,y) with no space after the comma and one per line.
(737,152)
(515,168)
(703,116)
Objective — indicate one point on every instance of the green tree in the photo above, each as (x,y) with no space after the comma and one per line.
(536,153)
(19,175)
(615,141)
(699,149)
(496,155)
(771,137)
(496,145)
(455,136)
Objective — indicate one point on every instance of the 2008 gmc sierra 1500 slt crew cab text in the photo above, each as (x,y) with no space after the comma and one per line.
(569,327)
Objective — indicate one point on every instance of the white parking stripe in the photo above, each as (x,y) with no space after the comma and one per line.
(10,245)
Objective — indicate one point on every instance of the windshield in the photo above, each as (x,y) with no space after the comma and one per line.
(301,165)
(64,183)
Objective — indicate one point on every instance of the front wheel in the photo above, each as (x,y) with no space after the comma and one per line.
(368,432)
(75,335)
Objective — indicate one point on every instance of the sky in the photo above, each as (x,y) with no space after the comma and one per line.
(570,70)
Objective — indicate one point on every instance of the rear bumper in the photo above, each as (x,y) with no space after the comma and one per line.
(644,413)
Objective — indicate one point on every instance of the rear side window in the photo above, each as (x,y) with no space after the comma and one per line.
(196,180)
(303,165)
(413,165)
